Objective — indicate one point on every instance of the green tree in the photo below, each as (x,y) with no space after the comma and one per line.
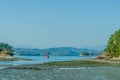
(6,49)
(85,54)
(113,46)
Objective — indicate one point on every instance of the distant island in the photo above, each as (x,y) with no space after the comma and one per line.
(7,50)
(61,51)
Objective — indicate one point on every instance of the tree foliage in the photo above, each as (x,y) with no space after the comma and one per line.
(85,54)
(113,46)
(6,49)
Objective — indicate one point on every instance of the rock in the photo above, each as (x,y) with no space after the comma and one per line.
(102,58)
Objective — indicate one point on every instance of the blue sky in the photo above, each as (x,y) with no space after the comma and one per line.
(57,23)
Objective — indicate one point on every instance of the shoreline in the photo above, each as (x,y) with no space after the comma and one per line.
(11,58)
(65,64)
(87,62)
(73,63)
(63,70)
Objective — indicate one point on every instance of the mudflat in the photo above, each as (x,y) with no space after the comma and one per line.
(67,70)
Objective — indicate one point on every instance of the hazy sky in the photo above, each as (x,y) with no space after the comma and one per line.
(57,23)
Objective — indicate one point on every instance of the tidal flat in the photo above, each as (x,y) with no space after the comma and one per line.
(81,70)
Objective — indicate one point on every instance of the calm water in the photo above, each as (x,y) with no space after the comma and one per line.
(42,59)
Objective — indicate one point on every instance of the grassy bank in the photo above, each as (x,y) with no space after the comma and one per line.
(84,63)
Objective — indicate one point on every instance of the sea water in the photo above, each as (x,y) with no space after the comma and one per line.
(43,59)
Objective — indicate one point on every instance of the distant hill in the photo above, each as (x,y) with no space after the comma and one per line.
(61,51)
